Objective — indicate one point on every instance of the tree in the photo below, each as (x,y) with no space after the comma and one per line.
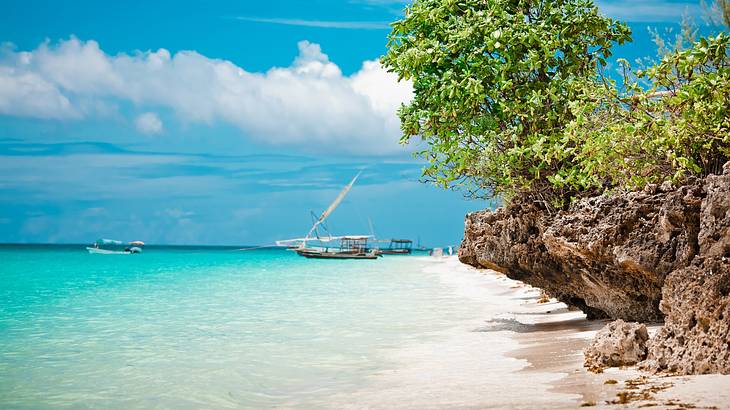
(494,83)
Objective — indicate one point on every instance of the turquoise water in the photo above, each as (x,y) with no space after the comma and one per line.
(213,328)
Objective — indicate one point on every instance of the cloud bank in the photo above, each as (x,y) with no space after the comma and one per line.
(309,103)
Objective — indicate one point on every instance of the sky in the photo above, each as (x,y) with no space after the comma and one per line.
(219,122)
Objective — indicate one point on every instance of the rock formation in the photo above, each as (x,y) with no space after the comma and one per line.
(658,254)
(695,338)
(607,255)
(618,344)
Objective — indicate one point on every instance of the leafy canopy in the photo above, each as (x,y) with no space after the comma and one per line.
(692,122)
(511,99)
(495,85)
(677,127)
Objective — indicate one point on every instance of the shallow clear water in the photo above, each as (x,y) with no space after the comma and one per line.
(213,328)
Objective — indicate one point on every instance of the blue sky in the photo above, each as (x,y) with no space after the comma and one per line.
(217,122)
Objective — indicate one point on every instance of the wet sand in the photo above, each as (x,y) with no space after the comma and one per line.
(518,353)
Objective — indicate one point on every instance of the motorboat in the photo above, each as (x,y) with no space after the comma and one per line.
(115,247)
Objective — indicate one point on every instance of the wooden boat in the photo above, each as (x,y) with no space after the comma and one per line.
(337,255)
(397,247)
(350,247)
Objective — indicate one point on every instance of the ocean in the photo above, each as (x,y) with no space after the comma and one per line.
(209,327)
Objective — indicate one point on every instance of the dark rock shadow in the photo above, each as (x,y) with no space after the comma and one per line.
(512,325)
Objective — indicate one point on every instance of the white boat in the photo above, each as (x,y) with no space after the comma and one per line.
(135,247)
(107,251)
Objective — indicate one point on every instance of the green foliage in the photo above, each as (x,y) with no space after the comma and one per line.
(692,123)
(715,14)
(510,100)
(494,82)
(679,127)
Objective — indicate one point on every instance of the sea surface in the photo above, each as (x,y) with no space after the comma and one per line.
(207,327)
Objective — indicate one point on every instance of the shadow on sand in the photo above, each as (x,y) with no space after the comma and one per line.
(513,325)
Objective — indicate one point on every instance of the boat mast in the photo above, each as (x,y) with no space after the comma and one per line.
(331,208)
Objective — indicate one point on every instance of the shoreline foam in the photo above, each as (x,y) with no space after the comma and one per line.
(516,353)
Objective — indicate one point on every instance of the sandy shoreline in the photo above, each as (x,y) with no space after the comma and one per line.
(517,353)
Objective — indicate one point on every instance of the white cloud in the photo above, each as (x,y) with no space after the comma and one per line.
(28,94)
(310,103)
(148,123)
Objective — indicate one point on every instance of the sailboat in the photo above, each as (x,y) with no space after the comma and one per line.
(344,247)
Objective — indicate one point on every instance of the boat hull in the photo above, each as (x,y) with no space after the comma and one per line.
(394,252)
(107,251)
(314,254)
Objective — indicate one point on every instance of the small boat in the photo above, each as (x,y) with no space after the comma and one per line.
(350,247)
(115,245)
(100,251)
(397,247)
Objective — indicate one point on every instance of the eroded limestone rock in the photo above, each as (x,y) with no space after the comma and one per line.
(607,255)
(618,344)
(695,338)
(659,254)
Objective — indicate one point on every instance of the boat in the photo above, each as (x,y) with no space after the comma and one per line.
(348,247)
(397,247)
(115,247)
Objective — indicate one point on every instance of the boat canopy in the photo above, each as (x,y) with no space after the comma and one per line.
(137,243)
(299,241)
(109,242)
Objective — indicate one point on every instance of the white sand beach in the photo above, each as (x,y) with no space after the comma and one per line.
(518,353)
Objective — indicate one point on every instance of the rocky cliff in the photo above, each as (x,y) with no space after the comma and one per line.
(607,255)
(696,298)
(659,254)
